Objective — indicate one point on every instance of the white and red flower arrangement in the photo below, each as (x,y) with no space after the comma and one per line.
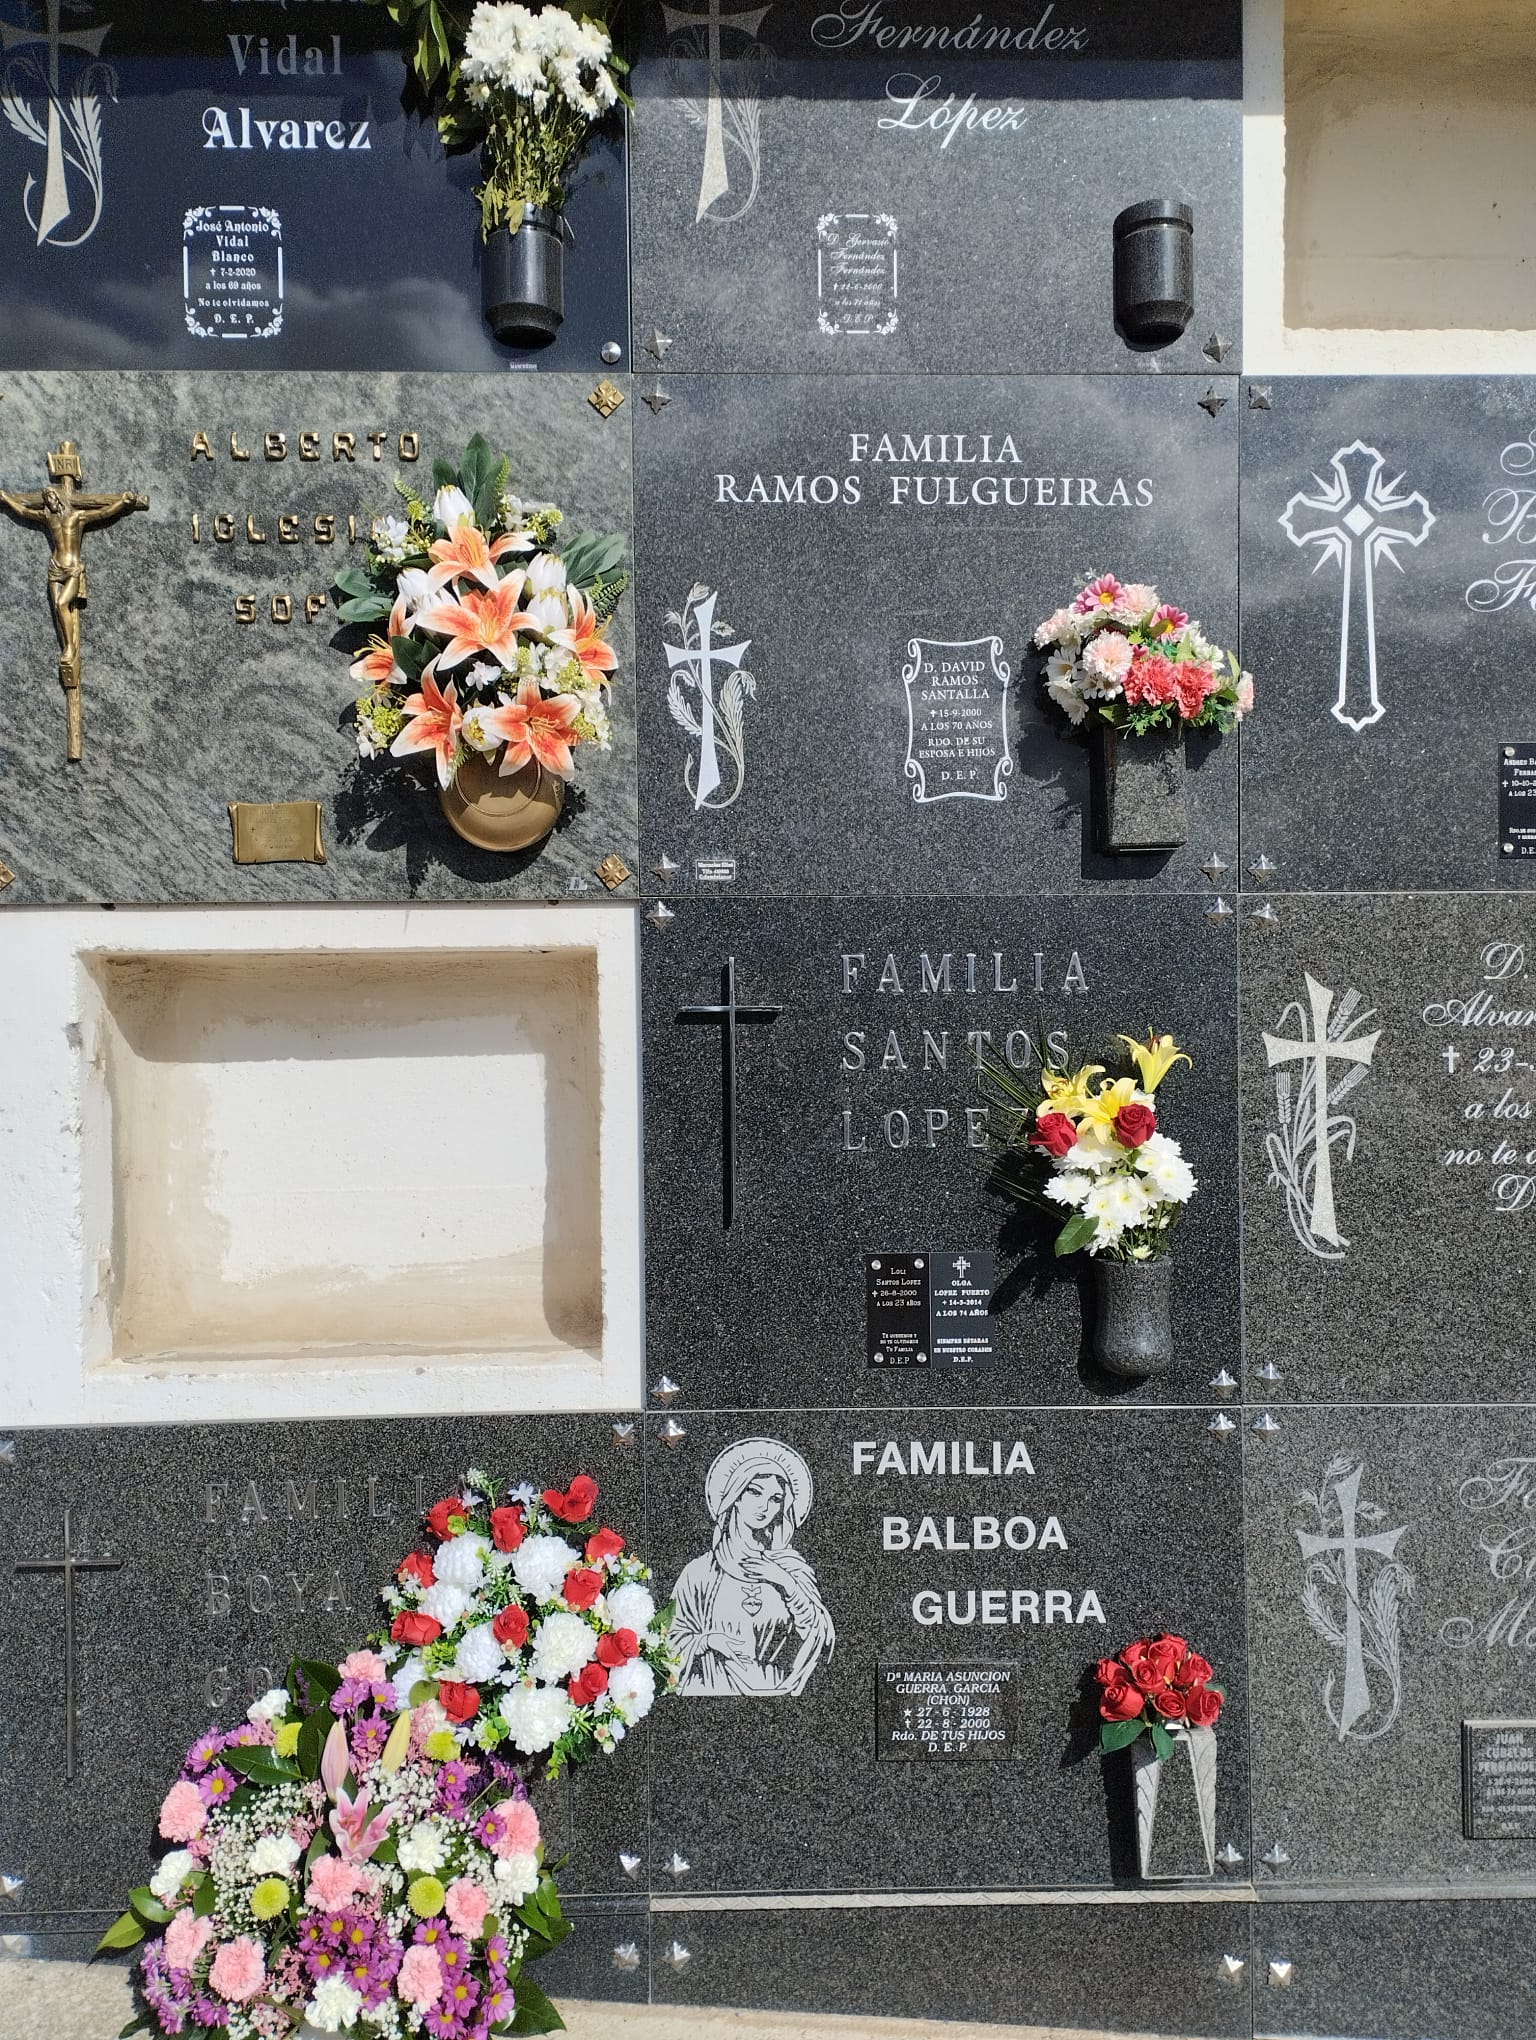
(1118,1179)
(1119,653)
(360,1855)
(495,633)
(1155,1687)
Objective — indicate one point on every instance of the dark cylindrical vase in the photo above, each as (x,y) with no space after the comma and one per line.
(522,279)
(1142,804)
(1132,1329)
(1155,270)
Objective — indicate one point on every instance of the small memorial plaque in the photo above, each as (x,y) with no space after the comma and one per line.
(959,1712)
(718,868)
(856,273)
(1498,1781)
(960,1314)
(1517,800)
(232,272)
(896,1297)
(957,719)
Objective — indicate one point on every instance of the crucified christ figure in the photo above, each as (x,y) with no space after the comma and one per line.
(66,515)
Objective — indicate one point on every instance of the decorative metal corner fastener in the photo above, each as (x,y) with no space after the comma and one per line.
(676,1956)
(626,1955)
(1218,910)
(666,1389)
(672,1434)
(7,1451)
(1217,348)
(658,343)
(657,400)
(1258,397)
(1230,1857)
(1221,1425)
(277,831)
(623,1432)
(1223,1383)
(1265,1425)
(677,1865)
(1270,1372)
(1212,403)
(7,876)
(629,1862)
(666,867)
(1262,867)
(1275,1856)
(1215,866)
(606,398)
(12,1885)
(1282,1973)
(613,871)
(1264,913)
(1232,1968)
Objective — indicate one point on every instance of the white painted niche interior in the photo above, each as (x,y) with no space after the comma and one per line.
(1390,185)
(333,1161)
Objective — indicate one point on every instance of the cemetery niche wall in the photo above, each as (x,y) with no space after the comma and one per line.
(843,378)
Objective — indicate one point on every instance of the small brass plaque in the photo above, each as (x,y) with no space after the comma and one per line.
(277,832)
(613,871)
(606,398)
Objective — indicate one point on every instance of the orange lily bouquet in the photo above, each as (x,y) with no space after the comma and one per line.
(494,643)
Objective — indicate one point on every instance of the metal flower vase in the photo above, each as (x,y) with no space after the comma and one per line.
(1176,1805)
(1132,1322)
(1142,802)
(502,814)
(522,279)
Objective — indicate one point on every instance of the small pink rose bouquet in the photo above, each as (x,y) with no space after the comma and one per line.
(360,1854)
(1121,654)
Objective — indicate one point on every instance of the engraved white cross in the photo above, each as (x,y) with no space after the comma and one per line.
(1356,1698)
(55,182)
(715,181)
(1354,515)
(1320,1050)
(962,1267)
(703,661)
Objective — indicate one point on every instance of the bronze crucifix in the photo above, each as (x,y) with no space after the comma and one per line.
(66,514)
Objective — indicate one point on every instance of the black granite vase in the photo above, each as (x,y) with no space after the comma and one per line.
(1141,799)
(522,279)
(1154,270)
(1132,1329)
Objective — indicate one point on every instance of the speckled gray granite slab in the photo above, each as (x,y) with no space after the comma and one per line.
(187,709)
(1067,1969)
(1419,1286)
(982,176)
(854,530)
(852,1136)
(1444,564)
(1420,1519)
(764,1765)
(1407,1971)
(240,1548)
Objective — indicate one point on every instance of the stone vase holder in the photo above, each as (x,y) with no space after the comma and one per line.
(1176,1805)
(1141,800)
(503,814)
(1132,1324)
(522,279)
(1154,270)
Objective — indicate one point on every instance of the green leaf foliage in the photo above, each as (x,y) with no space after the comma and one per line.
(321,1679)
(312,1734)
(259,1764)
(1117,1735)
(364,609)
(205,1898)
(535,2013)
(444,475)
(139,2025)
(148,1907)
(1076,1233)
(353,581)
(591,555)
(125,1932)
(1162,1741)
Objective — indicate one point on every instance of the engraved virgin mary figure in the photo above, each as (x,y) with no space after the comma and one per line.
(749,1618)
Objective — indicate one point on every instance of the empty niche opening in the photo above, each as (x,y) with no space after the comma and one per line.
(1410,164)
(352,1155)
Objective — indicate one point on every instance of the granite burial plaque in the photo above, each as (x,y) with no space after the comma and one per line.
(861,1130)
(1389,1606)
(830,1570)
(896,1309)
(179,176)
(961,1310)
(215,670)
(932,761)
(1388,574)
(1389,1146)
(956,1713)
(1498,1780)
(835,189)
(1517,800)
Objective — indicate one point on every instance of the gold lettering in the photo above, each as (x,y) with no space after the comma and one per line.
(256,537)
(343,445)
(325,529)
(275,445)
(201,450)
(410,446)
(236,450)
(224,527)
(245,609)
(313,604)
(288,528)
(352,530)
(309,446)
(282,609)
(197,530)
(376,441)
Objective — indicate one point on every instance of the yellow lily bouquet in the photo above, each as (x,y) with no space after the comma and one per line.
(1119,1182)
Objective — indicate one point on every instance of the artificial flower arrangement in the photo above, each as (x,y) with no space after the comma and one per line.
(1121,1181)
(494,651)
(526,86)
(1151,1684)
(360,1855)
(1119,653)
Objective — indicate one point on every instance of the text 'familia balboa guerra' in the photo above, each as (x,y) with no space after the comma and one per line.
(1021,1541)
(938,470)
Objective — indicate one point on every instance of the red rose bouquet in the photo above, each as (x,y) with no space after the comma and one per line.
(1157,1685)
